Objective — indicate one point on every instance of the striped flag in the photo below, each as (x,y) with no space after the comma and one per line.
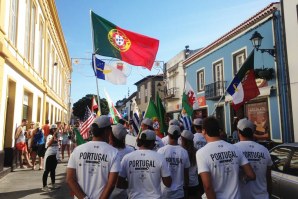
(186,121)
(135,119)
(85,126)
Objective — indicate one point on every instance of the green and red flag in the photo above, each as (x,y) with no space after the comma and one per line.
(189,99)
(152,114)
(161,114)
(79,138)
(112,41)
(244,87)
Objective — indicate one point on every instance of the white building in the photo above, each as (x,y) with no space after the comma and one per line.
(35,68)
(290,19)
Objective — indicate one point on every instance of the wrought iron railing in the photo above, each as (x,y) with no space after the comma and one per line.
(215,90)
(172,92)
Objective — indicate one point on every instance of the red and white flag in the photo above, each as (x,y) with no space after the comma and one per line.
(87,121)
(94,105)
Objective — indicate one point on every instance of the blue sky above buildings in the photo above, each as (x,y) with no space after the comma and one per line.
(174,23)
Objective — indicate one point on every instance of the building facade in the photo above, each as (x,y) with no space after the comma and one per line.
(290,22)
(35,68)
(211,70)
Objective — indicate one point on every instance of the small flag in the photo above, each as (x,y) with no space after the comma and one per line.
(136,119)
(189,99)
(161,114)
(244,87)
(151,113)
(114,114)
(79,137)
(113,41)
(94,105)
(108,73)
(87,121)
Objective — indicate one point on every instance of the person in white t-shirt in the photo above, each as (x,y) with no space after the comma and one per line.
(193,188)
(260,160)
(199,140)
(143,170)
(93,167)
(117,140)
(165,139)
(218,164)
(148,124)
(178,162)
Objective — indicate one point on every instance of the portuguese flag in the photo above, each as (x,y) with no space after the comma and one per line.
(113,41)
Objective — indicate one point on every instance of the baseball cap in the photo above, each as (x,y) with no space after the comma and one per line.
(119,131)
(187,134)
(174,129)
(53,126)
(102,121)
(245,123)
(147,122)
(198,122)
(147,135)
(174,122)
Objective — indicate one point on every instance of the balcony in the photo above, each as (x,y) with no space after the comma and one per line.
(171,93)
(214,90)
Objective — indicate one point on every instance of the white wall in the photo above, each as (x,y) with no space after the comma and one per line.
(291,28)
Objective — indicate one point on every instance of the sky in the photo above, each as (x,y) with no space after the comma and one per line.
(175,23)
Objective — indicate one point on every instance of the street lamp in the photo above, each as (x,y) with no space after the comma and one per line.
(256,40)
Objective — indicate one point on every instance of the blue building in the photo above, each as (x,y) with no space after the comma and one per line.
(211,70)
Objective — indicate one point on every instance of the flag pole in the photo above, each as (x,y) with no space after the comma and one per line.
(93,57)
(216,105)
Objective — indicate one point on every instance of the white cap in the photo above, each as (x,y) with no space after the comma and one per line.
(147,135)
(53,126)
(198,122)
(187,134)
(245,123)
(102,121)
(174,122)
(147,122)
(119,131)
(174,128)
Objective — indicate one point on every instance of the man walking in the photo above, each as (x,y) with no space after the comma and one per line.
(198,139)
(144,170)
(218,164)
(93,167)
(178,164)
(260,160)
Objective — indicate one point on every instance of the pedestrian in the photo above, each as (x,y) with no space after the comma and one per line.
(218,164)
(50,160)
(143,170)
(66,140)
(199,140)
(260,160)
(148,124)
(38,146)
(46,129)
(29,136)
(193,188)
(165,140)
(117,140)
(21,146)
(93,167)
(178,163)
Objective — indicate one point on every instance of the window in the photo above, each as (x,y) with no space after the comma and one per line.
(32,34)
(27,30)
(293,168)
(280,157)
(146,94)
(13,21)
(40,50)
(200,80)
(48,60)
(218,71)
(25,106)
(238,59)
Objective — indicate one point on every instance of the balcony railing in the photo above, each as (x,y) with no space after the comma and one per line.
(171,93)
(215,90)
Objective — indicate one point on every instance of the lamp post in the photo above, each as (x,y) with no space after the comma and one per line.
(256,40)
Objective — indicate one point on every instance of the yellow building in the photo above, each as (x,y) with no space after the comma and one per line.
(35,69)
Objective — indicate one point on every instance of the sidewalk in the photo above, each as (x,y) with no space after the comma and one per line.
(26,183)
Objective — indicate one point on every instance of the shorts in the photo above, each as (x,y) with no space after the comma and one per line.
(41,149)
(21,146)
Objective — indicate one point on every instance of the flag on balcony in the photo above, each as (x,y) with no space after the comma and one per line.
(243,87)
(189,99)
(161,114)
(151,113)
(112,41)
(107,72)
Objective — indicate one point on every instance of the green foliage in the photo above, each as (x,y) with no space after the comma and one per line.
(79,107)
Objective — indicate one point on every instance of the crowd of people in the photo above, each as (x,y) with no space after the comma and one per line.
(197,163)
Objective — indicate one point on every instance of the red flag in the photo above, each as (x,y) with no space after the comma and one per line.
(88,119)
(94,104)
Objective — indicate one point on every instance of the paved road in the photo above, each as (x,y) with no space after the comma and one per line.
(26,183)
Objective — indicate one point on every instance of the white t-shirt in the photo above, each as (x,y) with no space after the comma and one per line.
(222,160)
(144,170)
(193,176)
(93,161)
(158,143)
(199,141)
(177,160)
(165,140)
(53,149)
(259,159)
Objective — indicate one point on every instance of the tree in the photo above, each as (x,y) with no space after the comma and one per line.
(79,107)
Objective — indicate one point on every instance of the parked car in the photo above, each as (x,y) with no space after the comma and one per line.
(285,171)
